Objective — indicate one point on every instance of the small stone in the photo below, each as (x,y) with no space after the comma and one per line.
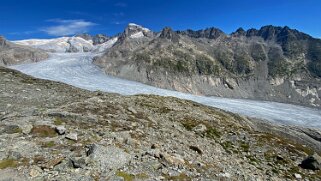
(60,130)
(35,171)
(200,128)
(52,163)
(154,146)
(197,149)
(26,129)
(176,160)
(78,162)
(131,109)
(297,176)
(160,178)
(14,155)
(130,141)
(313,162)
(225,175)
(154,153)
(72,136)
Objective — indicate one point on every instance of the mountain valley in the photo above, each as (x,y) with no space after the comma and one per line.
(168,105)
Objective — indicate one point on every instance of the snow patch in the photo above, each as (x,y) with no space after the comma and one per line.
(137,35)
(108,44)
(61,45)
(67,44)
(138,26)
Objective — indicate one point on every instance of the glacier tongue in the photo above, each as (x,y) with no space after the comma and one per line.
(77,69)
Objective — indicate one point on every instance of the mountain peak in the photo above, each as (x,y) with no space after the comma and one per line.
(3,41)
(239,32)
(135,31)
(136,27)
(168,33)
(210,33)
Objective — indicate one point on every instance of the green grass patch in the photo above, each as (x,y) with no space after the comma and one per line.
(131,177)
(180,177)
(8,163)
(43,131)
(58,121)
(48,144)
(245,147)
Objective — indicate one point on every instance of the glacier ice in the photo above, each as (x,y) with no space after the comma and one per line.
(77,69)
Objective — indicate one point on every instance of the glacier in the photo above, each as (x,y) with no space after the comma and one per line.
(77,69)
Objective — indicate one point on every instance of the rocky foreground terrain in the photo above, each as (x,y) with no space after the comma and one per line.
(53,131)
(270,63)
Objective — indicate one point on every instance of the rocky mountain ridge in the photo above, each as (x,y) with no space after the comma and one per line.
(272,63)
(11,53)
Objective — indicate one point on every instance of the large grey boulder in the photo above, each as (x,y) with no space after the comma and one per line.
(108,158)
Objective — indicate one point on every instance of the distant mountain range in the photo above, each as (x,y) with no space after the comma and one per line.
(272,63)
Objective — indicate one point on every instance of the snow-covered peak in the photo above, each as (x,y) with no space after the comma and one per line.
(136,31)
(66,44)
(63,44)
(136,26)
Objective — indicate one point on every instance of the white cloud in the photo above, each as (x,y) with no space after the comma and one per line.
(67,27)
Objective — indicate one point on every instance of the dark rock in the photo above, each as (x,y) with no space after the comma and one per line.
(210,33)
(313,162)
(197,149)
(168,33)
(78,162)
(85,36)
(100,39)
(239,32)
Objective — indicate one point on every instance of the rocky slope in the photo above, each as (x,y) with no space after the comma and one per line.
(272,63)
(11,53)
(52,131)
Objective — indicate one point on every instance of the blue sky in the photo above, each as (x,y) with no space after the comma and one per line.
(22,19)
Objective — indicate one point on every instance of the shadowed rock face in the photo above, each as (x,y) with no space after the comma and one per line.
(169,34)
(11,53)
(210,33)
(272,63)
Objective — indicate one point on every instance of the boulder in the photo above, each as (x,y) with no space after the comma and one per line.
(313,162)
(60,130)
(108,158)
(72,136)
